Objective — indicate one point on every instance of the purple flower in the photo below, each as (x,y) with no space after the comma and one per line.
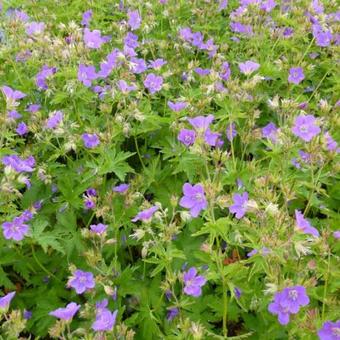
(6,300)
(240,205)
(66,313)
(322,38)
(336,234)
(172,313)
(134,20)
(86,18)
(177,107)
(287,302)
(105,320)
(270,131)
(153,83)
(21,129)
(231,132)
(121,188)
(201,123)
(33,108)
(268,5)
(193,199)
(90,140)
(41,77)
(331,144)
(124,87)
(15,230)
(222,5)
(187,137)
(27,314)
(98,229)
(12,95)
(19,164)
(86,74)
(54,120)
(93,39)
(131,40)
(138,65)
(330,331)
(157,64)
(237,27)
(145,215)
(35,28)
(296,75)
(193,283)
(305,127)
(202,71)
(81,281)
(248,67)
(13,114)
(237,292)
(303,225)
(225,71)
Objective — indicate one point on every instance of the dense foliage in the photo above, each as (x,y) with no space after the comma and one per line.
(169,169)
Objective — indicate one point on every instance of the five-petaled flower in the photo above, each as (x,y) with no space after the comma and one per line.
(66,313)
(153,83)
(193,199)
(305,127)
(193,283)
(303,225)
(90,140)
(240,205)
(330,331)
(105,320)
(145,215)
(296,75)
(81,281)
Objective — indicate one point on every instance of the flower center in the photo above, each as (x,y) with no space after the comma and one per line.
(199,197)
(293,295)
(336,331)
(303,128)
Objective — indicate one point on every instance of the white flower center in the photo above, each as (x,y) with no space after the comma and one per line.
(336,331)
(293,295)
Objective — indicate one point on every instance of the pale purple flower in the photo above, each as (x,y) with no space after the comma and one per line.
(304,225)
(222,5)
(33,108)
(252,253)
(225,71)
(212,138)
(86,18)
(153,83)
(304,156)
(296,75)
(41,77)
(27,314)
(330,331)
(268,5)
(6,300)
(336,234)
(21,129)
(178,106)
(105,320)
(35,28)
(90,140)
(93,39)
(187,137)
(124,87)
(331,144)
(172,313)
(240,205)
(202,71)
(270,131)
(12,95)
(138,65)
(13,114)
(66,313)
(81,281)
(19,164)
(322,38)
(86,74)
(134,20)
(16,229)
(157,64)
(305,127)
(237,27)
(121,188)
(248,67)
(231,132)
(288,301)
(288,32)
(131,40)
(55,119)
(193,282)
(201,123)
(98,229)
(20,15)
(145,215)
(193,199)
